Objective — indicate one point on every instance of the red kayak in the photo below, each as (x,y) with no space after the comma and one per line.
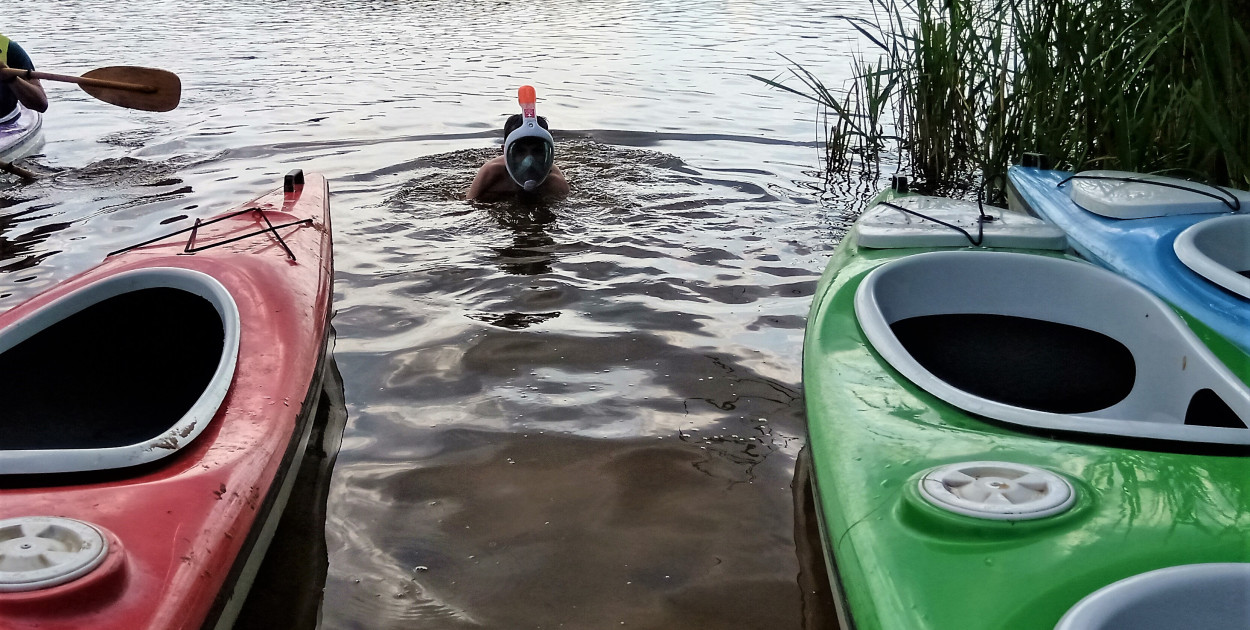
(155,411)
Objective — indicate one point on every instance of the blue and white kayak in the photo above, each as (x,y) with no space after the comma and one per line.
(20,136)
(1187,242)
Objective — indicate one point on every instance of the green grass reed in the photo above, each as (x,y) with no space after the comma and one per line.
(964,87)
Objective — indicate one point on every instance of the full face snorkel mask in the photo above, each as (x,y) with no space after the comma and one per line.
(529,151)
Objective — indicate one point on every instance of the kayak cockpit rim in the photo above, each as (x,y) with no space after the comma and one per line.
(1207,595)
(1219,250)
(965,326)
(91,448)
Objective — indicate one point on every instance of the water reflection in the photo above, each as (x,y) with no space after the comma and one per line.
(516,320)
(19,251)
(287,589)
(530,253)
(819,607)
(620,532)
(66,220)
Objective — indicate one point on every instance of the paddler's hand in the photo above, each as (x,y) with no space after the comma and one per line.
(9,80)
(27,90)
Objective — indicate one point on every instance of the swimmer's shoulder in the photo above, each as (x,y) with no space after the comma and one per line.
(492,183)
(491,179)
(556,185)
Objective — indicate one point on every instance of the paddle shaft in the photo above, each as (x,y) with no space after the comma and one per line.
(10,167)
(101,83)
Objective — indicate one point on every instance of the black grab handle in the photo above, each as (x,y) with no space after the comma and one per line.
(293,179)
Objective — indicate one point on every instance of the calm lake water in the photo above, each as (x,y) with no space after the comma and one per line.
(585,414)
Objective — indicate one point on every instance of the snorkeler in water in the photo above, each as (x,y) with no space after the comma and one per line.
(527,166)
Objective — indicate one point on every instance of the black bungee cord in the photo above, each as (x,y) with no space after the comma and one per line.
(1232,201)
(981,220)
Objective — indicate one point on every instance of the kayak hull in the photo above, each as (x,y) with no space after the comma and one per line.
(185,530)
(898,560)
(21,136)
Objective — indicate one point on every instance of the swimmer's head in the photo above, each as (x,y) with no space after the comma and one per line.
(529,151)
(514,122)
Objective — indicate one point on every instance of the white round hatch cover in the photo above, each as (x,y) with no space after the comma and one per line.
(42,551)
(997,490)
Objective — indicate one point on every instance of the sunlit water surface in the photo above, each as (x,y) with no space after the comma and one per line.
(584,414)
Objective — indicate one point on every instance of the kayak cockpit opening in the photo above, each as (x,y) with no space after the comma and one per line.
(122,372)
(1060,368)
(1051,343)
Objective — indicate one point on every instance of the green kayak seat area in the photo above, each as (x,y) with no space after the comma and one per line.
(119,373)
(1050,343)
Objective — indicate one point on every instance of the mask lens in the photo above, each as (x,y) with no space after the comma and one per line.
(529,159)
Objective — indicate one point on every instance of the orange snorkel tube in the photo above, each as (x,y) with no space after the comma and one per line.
(528,99)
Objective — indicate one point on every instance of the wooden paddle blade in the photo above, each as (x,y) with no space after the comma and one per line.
(159,90)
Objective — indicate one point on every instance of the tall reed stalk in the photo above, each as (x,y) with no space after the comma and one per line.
(967,86)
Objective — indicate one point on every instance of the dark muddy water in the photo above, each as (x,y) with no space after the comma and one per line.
(583,414)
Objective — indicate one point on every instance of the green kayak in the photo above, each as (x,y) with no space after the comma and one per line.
(1004,436)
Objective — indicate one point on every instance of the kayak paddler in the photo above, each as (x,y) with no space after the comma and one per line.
(28,92)
(527,166)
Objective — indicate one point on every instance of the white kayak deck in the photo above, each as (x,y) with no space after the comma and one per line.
(886,227)
(1128,195)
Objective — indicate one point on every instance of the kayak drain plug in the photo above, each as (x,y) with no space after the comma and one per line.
(1002,491)
(38,552)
